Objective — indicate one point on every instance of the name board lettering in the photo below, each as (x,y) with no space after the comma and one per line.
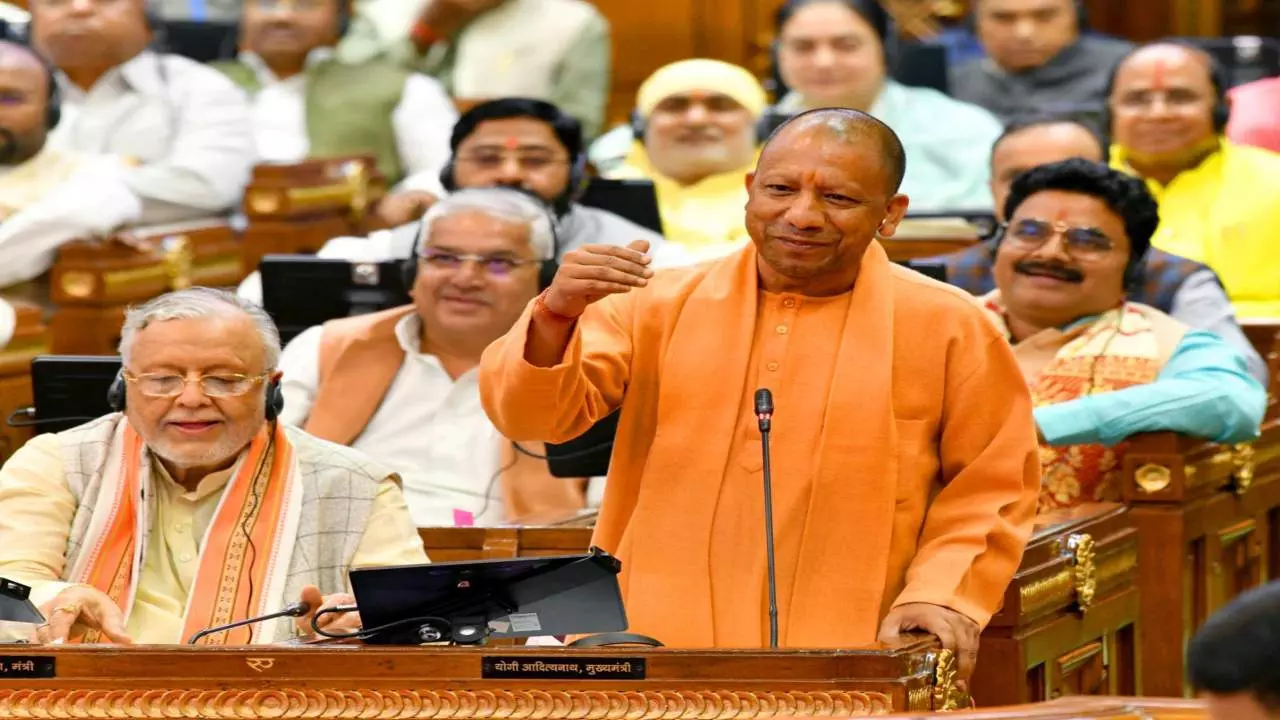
(595,668)
(17,667)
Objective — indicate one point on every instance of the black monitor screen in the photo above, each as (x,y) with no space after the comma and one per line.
(301,291)
(635,200)
(70,390)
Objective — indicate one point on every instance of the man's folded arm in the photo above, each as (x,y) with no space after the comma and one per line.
(559,403)
(1204,391)
(36,511)
(977,527)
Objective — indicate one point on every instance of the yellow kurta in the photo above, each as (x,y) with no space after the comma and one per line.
(1225,213)
(904,452)
(36,509)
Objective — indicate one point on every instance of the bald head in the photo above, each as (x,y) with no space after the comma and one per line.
(1162,99)
(850,127)
(25,85)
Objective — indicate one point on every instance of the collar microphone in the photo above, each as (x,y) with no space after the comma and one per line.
(764,408)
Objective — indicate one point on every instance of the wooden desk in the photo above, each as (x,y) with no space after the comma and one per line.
(1103,708)
(1069,621)
(1208,518)
(297,208)
(30,338)
(368,682)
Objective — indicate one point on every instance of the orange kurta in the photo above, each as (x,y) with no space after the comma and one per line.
(904,451)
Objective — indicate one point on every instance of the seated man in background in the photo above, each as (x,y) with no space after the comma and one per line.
(401,385)
(47,196)
(1234,658)
(198,443)
(513,142)
(554,50)
(308,104)
(831,53)
(1183,289)
(1037,60)
(696,140)
(184,128)
(1101,368)
(1219,202)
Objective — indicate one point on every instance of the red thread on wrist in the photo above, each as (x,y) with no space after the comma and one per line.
(540,304)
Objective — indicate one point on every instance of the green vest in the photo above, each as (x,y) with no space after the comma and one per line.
(348,107)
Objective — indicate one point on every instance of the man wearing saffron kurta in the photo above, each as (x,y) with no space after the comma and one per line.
(1101,368)
(1219,201)
(194,507)
(904,455)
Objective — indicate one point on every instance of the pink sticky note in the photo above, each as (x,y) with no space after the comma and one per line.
(462,518)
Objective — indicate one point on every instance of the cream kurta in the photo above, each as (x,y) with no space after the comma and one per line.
(904,454)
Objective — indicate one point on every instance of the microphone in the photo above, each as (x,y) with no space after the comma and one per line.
(297,609)
(764,414)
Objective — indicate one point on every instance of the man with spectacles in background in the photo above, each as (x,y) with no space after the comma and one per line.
(197,471)
(401,384)
(1102,368)
(513,142)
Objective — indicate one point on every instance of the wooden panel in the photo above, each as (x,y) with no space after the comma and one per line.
(353,681)
(30,338)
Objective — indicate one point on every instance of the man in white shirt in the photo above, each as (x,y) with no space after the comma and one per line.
(184,128)
(47,196)
(400,385)
(306,103)
(513,142)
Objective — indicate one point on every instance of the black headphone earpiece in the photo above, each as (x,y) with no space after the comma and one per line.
(1135,272)
(274,397)
(637,125)
(578,179)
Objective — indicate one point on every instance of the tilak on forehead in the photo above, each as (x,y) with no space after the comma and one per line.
(512,142)
(1158,74)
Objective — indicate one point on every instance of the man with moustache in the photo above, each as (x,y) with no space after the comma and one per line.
(1219,201)
(1186,290)
(400,385)
(48,196)
(143,525)
(897,403)
(182,128)
(695,138)
(1102,368)
(513,142)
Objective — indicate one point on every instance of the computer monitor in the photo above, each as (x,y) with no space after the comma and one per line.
(635,200)
(467,602)
(586,455)
(69,390)
(302,291)
(932,269)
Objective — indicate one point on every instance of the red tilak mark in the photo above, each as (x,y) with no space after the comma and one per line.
(1157,79)
(512,143)
(1060,218)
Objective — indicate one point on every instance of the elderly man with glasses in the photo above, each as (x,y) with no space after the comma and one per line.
(1102,368)
(401,384)
(192,506)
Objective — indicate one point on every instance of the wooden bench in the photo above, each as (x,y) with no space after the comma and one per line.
(297,208)
(30,338)
(94,281)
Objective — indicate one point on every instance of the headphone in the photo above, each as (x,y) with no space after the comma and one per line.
(1135,271)
(1221,112)
(53,104)
(274,396)
(546,269)
(541,110)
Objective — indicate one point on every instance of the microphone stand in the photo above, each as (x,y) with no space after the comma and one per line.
(297,609)
(764,413)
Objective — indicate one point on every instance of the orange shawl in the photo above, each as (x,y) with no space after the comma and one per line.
(228,585)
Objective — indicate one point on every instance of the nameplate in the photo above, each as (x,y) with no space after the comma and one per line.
(19,667)
(595,668)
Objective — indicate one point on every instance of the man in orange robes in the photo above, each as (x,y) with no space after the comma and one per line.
(904,452)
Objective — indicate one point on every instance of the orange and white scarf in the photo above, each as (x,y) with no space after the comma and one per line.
(262,502)
(1118,349)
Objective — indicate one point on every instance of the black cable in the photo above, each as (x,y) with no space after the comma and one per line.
(488,488)
(256,500)
(365,633)
(34,421)
(567,456)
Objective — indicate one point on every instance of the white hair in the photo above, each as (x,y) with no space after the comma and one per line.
(504,204)
(199,302)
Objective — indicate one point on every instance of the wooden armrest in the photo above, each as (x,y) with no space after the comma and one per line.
(345,185)
(1172,468)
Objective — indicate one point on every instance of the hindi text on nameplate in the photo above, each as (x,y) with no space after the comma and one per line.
(19,667)
(595,668)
